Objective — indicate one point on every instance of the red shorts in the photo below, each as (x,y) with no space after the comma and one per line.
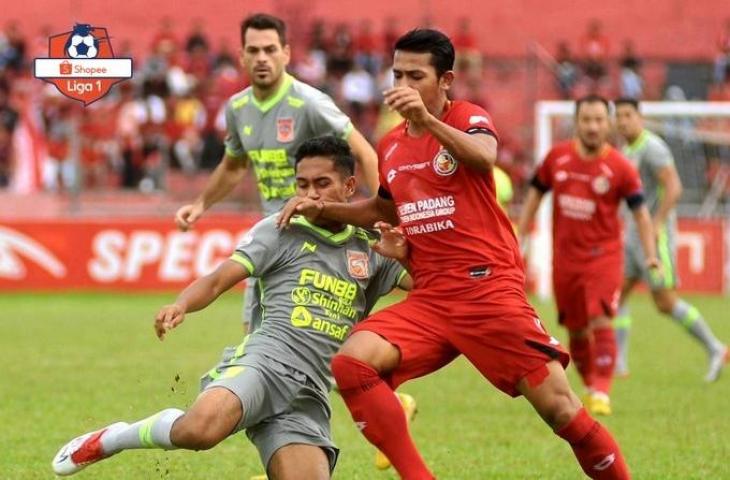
(584,294)
(498,332)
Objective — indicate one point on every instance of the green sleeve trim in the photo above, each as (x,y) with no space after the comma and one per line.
(237,257)
(295,102)
(236,155)
(347,131)
(239,102)
(402,274)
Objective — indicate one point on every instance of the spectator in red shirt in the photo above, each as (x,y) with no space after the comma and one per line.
(595,47)
(722,61)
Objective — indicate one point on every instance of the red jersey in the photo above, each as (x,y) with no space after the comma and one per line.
(455,228)
(587,195)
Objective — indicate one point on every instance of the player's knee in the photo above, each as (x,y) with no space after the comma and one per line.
(563,408)
(199,431)
(373,350)
(664,305)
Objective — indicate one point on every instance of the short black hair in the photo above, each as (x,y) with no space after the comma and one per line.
(627,101)
(263,21)
(591,98)
(328,146)
(426,40)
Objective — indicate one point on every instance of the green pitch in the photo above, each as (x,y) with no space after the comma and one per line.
(75,362)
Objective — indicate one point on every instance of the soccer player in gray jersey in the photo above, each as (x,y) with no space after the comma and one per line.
(662,189)
(266,123)
(317,280)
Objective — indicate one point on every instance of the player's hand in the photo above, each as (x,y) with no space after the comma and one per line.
(187,215)
(310,209)
(169,317)
(655,268)
(408,103)
(392,242)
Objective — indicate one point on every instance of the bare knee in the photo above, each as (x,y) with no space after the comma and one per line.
(664,303)
(553,399)
(372,349)
(208,422)
(195,433)
(564,406)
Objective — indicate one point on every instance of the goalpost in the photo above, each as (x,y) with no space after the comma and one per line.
(698,134)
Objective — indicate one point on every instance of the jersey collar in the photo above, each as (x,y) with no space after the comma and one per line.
(605,150)
(337,238)
(639,142)
(270,102)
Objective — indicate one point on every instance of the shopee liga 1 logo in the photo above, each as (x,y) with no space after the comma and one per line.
(81,64)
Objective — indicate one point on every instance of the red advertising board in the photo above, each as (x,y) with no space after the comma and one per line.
(701,255)
(134,254)
(151,254)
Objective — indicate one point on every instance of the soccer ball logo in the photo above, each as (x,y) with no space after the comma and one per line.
(81,43)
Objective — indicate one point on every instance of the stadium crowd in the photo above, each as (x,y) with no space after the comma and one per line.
(169,117)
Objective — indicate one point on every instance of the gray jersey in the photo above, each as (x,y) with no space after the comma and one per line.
(649,154)
(314,286)
(269,133)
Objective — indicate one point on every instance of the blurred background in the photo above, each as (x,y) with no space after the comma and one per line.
(145,149)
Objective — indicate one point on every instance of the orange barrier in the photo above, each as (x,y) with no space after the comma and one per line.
(150,254)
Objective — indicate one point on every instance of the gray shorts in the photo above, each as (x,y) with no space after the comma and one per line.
(635,261)
(281,405)
(252,304)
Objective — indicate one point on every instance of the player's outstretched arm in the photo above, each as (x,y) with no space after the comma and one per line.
(363,213)
(478,151)
(366,157)
(199,295)
(224,178)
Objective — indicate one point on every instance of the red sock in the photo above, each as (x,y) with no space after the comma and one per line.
(604,356)
(597,452)
(581,352)
(379,415)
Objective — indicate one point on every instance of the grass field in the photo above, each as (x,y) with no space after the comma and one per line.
(75,362)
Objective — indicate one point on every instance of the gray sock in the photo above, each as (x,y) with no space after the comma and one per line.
(691,319)
(152,432)
(622,328)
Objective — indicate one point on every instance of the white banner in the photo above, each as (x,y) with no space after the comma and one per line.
(83,68)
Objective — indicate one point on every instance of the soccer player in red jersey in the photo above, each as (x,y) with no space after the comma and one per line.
(469,298)
(589,180)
